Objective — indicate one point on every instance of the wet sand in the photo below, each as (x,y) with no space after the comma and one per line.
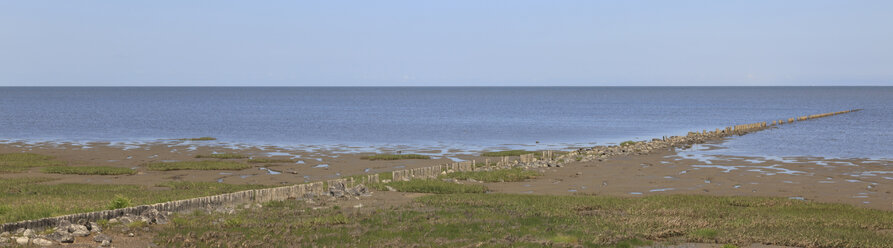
(857,182)
(866,183)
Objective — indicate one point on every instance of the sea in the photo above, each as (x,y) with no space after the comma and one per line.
(462,118)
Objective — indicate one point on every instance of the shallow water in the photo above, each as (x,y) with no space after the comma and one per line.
(468,118)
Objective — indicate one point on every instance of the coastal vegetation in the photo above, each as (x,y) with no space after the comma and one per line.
(198,139)
(627,143)
(34,198)
(395,157)
(222,156)
(474,219)
(197,165)
(506,153)
(507,175)
(89,170)
(435,187)
(18,162)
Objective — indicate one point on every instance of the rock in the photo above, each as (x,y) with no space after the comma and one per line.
(3,240)
(125,219)
(28,233)
(42,242)
(154,216)
(99,238)
(579,173)
(390,188)
(22,240)
(4,234)
(93,227)
(20,231)
(63,223)
(78,230)
(360,188)
(106,243)
(337,189)
(130,235)
(358,205)
(113,221)
(61,237)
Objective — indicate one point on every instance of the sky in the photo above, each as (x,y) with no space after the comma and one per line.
(445,43)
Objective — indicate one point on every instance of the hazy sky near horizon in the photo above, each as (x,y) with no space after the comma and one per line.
(395,43)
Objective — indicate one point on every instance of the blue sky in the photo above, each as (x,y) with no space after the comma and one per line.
(369,43)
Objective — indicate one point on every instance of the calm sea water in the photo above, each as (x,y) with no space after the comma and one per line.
(460,117)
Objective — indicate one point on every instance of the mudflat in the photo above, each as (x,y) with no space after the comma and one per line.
(859,182)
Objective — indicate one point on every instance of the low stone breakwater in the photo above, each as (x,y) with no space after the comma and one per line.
(354,186)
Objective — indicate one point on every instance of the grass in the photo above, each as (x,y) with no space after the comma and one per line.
(198,139)
(628,142)
(435,187)
(395,157)
(18,162)
(508,220)
(507,175)
(197,165)
(269,161)
(223,156)
(506,153)
(31,198)
(89,170)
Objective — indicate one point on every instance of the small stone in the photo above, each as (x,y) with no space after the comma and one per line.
(20,231)
(22,240)
(78,230)
(358,205)
(106,243)
(28,233)
(99,238)
(579,173)
(42,242)
(113,221)
(391,188)
(4,234)
(130,235)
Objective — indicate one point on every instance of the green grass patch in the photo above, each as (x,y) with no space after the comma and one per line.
(89,170)
(222,156)
(506,153)
(627,143)
(508,220)
(395,157)
(507,175)
(197,165)
(269,161)
(31,198)
(435,187)
(18,162)
(198,139)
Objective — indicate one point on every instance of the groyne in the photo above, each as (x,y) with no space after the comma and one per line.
(355,185)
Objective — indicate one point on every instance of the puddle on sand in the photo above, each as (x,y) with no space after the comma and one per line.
(797,198)
(226,173)
(572,190)
(244,176)
(367,170)
(321,166)
(220,180)
(271,172)
(661,190)
(635,193)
